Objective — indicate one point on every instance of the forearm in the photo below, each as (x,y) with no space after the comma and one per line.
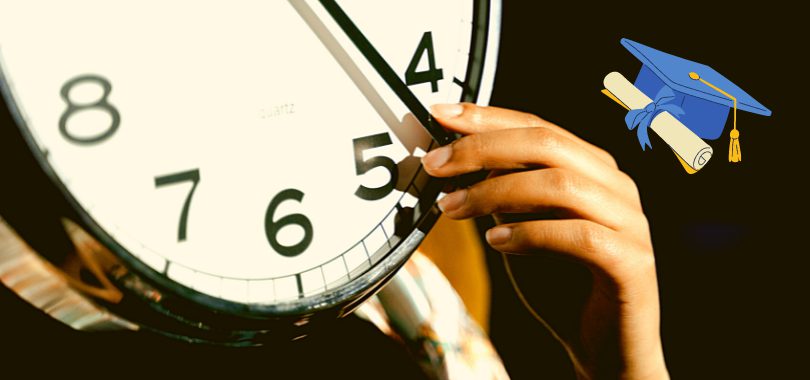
(620,336)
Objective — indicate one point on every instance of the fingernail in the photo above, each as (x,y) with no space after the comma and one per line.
(437,158)
(446,110)
(499,235)
(453,201)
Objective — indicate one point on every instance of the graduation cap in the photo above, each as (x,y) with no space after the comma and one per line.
(704,95)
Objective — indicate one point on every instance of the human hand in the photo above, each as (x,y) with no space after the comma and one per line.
(539,169)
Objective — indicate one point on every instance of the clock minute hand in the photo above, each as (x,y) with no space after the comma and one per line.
(349,66)
(385,71)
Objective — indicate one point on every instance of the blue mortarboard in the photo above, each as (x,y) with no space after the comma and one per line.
(699,89)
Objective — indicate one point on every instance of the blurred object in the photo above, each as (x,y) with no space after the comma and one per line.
(420,308)
(715,237)
(461,259)
(48,289)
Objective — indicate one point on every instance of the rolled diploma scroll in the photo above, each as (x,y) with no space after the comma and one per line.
(686,144)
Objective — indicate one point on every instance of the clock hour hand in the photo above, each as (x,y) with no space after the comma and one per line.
(388,74)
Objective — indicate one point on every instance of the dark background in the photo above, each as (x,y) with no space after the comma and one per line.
(730,262)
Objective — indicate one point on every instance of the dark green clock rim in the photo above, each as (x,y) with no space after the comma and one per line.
(197,308)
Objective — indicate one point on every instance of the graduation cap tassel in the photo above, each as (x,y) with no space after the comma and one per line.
(734,153)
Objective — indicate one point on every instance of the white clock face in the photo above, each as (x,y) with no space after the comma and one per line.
(245,150)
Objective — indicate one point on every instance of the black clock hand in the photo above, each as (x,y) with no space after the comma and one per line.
(441,136)
(385,71)
(355,73)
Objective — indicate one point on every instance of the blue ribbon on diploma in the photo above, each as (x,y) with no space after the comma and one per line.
(642,118)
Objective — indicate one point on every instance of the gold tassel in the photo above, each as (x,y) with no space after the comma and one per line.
(734,153)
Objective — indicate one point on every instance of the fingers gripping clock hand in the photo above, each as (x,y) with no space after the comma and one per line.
(539,167)
(574,202)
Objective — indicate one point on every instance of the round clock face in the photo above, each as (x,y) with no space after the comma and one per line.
(248,152)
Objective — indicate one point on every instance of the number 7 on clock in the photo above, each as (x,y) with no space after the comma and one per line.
(169,179)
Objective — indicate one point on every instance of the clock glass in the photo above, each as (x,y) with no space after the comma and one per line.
(243,153)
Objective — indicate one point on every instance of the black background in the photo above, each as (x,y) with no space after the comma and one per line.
(727,239)
(729,260)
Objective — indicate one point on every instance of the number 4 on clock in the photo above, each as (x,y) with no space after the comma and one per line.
(432,75)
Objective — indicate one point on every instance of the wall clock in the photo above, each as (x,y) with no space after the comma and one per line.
(233,171)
